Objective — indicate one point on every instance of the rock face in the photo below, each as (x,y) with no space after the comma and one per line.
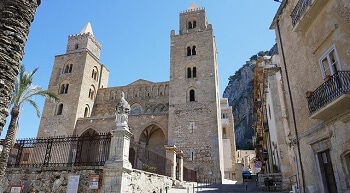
(239,92)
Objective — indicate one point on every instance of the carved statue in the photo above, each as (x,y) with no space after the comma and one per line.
(122,111)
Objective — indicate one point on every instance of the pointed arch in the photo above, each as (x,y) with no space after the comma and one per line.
(153,138)
(87,111)
(59,109)
(192,96)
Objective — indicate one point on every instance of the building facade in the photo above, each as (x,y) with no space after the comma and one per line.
(183,112)
(313,42)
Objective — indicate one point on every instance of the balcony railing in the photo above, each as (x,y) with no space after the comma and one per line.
(331,97)
(299,10)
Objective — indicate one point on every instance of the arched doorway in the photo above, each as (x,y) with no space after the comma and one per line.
(87,149)
(153,139)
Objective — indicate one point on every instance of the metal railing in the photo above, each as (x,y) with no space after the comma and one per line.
(60,151)
(189,175)
(299,10)
(147,160)
(338,84)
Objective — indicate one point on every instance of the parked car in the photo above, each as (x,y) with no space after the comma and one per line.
(247,174)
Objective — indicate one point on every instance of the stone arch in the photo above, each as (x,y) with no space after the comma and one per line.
(191,94)
(191,23)
(87,111)
(88,150)
(135,109)
(153,138)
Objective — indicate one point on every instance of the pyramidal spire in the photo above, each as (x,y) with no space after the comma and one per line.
(87,29)
(193,6)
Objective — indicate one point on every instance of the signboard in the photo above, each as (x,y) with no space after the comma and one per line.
(17,189)
(258,164)
(73,183)
(93,182)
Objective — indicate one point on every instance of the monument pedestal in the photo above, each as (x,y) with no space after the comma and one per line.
(116,173)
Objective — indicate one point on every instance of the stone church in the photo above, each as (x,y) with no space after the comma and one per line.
(185,112)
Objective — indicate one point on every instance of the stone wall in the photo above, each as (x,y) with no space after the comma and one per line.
(57,181)
(48,181)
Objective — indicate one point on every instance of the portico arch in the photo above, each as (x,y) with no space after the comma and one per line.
(153,138)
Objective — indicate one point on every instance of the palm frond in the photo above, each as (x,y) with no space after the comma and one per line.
(36,107)
(25,90)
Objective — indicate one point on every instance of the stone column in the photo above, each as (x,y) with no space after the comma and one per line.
(116,172)
(170,169)
(180,155)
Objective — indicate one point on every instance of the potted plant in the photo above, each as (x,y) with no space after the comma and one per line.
(308,94)
(327,78)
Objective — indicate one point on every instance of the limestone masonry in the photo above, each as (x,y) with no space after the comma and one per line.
(184,112)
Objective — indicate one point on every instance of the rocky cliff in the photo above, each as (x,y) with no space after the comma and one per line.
(239,92)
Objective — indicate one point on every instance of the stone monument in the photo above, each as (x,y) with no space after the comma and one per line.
(116,172)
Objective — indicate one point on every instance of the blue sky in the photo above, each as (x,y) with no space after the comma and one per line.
(135,38)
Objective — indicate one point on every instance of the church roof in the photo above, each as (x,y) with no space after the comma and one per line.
(87,29)
(193,7)
(140,82)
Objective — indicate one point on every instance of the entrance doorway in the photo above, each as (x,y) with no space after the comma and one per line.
(327,173)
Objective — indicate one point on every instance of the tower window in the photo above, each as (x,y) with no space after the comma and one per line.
(189,51)
(189,73)
(76,46)
(64,89)
(86,112)
(192,96)
(190,26)
(94,73)
(92,92)
(193,50)
(194,72)
(67,68)
(59,109)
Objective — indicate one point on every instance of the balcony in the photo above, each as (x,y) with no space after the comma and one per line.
(305,12)
(331,98)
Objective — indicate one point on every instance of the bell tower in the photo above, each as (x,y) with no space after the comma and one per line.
(194,100)
(76,76)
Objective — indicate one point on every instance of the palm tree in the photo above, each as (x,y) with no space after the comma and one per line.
(24,91)
(16,17)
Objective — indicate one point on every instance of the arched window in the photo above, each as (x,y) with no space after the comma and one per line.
(224,133)
(190,26)
(67,68)
(189,73)
(94,73)
(192,96)
(70,68)
(194,50)
(86,112)
(59,109)
(194,72)
(92,92)
(64,89)
(189,51)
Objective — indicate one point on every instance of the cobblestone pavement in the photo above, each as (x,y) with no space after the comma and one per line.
(226,187)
